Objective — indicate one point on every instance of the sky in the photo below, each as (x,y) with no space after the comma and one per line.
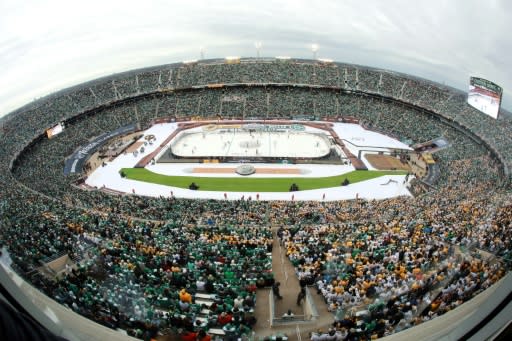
(46,46)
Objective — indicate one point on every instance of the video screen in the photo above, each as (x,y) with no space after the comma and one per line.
(485,96)
(55,130)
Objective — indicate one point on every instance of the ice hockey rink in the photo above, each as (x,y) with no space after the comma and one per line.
(355,137)
(229,142)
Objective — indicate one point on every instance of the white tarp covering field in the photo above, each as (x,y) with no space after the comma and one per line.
(379,188)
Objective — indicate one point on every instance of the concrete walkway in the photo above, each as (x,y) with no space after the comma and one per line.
(284,273)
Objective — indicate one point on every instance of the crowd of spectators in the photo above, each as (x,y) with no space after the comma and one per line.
(137,254)
(363,262)
(142,276)
(445,102)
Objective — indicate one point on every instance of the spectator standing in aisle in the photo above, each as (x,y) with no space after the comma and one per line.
(301,296)
(275,290)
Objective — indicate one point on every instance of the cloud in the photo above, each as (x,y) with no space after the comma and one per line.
(46,46)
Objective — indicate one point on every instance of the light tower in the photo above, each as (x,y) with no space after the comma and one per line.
(258,45)
(314,49)
(201,52)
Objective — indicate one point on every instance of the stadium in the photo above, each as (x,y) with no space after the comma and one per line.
(100,249)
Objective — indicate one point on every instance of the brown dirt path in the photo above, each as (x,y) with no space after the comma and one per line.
(212,170)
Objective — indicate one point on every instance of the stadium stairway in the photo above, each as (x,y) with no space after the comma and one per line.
(284,272)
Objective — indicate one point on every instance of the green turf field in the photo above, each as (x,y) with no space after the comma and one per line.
(251,184)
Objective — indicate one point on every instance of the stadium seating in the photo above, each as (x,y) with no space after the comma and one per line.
(403,260)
